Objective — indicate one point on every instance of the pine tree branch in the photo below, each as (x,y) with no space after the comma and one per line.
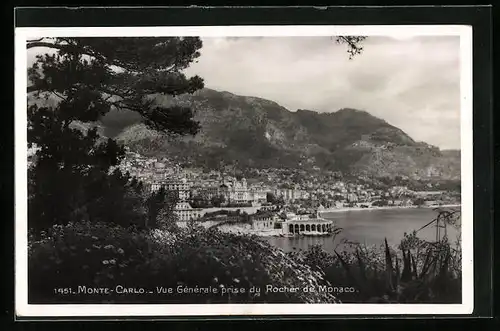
(58,95)
(44,44)
(35,40)
(121,105)
(59,47)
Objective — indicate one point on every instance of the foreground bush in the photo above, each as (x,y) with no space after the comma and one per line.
(73,263)
(416,271)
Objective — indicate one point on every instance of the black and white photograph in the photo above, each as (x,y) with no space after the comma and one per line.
(244,170)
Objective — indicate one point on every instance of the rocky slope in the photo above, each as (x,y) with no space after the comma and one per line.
(256,132)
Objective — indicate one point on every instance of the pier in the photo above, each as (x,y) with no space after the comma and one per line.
(313,226)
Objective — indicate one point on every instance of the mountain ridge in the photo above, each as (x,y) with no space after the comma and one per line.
(256,132)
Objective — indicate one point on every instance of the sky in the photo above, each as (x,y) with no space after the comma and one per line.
(412,83)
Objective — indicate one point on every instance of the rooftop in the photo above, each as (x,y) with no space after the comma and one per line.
(310,220)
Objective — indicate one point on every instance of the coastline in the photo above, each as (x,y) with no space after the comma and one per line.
(248,230)
(347,209)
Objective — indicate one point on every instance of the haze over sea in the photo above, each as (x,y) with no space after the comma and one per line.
(370,227)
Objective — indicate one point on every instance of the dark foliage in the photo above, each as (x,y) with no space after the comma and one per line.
(98,255)
(416,271)
(71,179)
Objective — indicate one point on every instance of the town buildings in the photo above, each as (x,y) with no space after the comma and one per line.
(185,212)
(182,188)
(204,192)
(239,192)
(307,225)
(292,187)
(264,220)
(291,194)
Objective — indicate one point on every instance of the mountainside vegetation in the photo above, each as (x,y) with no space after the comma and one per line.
(70,91)
(254,132)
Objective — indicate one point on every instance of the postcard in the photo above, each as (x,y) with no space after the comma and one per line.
(243,170)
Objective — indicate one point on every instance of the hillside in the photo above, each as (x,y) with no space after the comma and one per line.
(256,132)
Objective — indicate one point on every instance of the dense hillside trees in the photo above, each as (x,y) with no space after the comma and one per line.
(86,78)
(70,180)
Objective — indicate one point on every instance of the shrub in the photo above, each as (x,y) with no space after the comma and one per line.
(83,254)
(99,255)
(416,271)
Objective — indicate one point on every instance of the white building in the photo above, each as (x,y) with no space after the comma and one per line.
(239,192)
(181,186)
(257,195)
(264,221)
(309,226)
(352,197)
(290,194)
(155,186)
(185,212)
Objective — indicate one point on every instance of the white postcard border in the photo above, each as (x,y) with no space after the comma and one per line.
(23,309)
